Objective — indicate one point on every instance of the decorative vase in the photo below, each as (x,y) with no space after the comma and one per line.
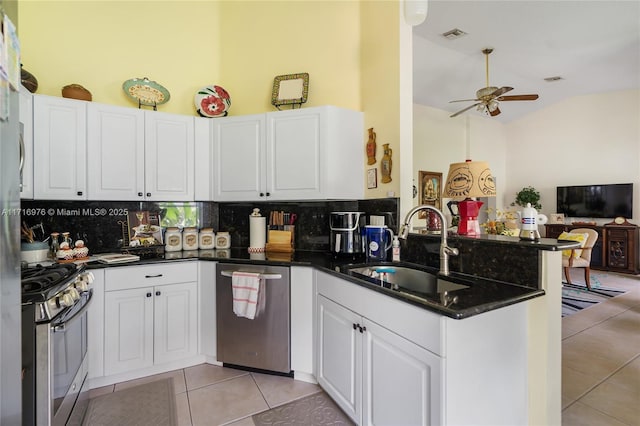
(28,80)
(371,147)
(76,91)
(386,163)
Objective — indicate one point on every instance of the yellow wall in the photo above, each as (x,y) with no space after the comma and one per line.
(381,85)
(263,39)
(349,48)
(100,44)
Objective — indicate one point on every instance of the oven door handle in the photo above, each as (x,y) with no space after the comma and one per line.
(62,326)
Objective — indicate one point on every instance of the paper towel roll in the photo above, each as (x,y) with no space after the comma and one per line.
(257,232)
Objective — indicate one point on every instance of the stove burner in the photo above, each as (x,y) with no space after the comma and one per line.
(41,282)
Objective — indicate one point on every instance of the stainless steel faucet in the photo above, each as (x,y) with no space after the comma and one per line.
(445,250)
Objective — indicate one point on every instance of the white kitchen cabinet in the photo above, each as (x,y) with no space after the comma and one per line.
(238,158)
(115,146)
(26,133)
(139,155)
(387,360)
(169,157)
(413,366)
(151,316)
(302,323)
(311,153)
(207,304)
(376,376)
(339,346)
(60,155)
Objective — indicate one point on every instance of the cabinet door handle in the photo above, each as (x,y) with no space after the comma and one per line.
(79,192)
(158,293)
(140,194)
(148,194)
(153,276)
(262,194)
(355,326)
(149,294)
(268,194)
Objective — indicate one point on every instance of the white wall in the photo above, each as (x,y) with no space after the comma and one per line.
(585,140)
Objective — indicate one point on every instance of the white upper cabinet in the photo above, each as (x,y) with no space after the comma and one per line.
(303,154)
(115,145)
(59,140)
(238,158)
(294,154)
(85,150)
(169,157)
(26,135)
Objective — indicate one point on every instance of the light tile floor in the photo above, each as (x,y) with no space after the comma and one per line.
(600,375)
(208,395)
(601,362)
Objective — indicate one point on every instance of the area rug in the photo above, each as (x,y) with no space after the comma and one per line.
(148,404)
(577,296)
(317,409)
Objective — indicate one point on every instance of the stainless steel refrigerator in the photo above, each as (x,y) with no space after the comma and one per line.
(10,316)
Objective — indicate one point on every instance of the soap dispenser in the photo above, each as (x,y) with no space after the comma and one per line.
(395,249)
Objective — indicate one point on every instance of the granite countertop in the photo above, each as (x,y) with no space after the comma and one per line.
(479,295)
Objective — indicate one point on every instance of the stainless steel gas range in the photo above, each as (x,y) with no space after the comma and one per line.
(55,299)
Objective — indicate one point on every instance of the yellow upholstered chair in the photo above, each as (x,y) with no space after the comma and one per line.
(579,257)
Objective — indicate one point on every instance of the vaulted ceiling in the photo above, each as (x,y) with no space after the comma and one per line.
(594,46)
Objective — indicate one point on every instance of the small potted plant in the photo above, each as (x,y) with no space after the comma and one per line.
(528,195)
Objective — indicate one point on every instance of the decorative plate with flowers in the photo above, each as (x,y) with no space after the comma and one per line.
(212,101)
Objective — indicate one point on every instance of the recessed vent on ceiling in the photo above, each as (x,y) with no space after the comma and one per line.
(454,34)
(552,79)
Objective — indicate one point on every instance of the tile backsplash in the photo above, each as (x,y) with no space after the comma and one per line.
(102,223)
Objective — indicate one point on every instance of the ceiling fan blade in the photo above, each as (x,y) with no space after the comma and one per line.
(494,112)
(502,91)
(466,109)
(465,100)
(518,98)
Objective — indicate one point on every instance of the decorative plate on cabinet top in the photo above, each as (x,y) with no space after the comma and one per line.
(212,101)
(145,92)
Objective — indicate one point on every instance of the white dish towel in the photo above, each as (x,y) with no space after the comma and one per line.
(246,288)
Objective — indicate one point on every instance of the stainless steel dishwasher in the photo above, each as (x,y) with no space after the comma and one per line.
(263,342)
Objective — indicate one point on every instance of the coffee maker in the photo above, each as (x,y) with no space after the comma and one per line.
(347,233)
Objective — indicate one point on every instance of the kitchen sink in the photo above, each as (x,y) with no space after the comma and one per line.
(413,282)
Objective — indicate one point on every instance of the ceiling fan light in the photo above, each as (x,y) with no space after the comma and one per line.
(480,107)
(493,105)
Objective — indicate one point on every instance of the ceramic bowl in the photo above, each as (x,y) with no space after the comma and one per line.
(76,91)
(34,252)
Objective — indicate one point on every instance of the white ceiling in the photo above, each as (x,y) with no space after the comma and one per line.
(593,45)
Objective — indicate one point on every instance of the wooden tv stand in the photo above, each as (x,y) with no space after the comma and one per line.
(616,249)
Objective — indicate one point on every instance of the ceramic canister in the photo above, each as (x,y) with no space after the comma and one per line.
(173,239)
(206,239)
(190,239)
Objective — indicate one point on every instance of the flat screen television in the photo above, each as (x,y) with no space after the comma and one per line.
(597,201)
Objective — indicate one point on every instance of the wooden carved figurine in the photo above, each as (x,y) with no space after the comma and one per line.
(386,163)
(371,147)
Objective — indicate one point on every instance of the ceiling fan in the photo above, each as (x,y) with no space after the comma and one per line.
(488,97)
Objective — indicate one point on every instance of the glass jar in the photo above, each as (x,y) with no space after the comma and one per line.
(223,240)
(173,239)
(190,239)
(55,245)
(206,239)
(67,239)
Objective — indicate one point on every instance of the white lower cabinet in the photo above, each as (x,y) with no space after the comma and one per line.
(388,362)
(151,316)
(376,376)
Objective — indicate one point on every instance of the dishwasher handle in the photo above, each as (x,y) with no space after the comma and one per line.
(263,276)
